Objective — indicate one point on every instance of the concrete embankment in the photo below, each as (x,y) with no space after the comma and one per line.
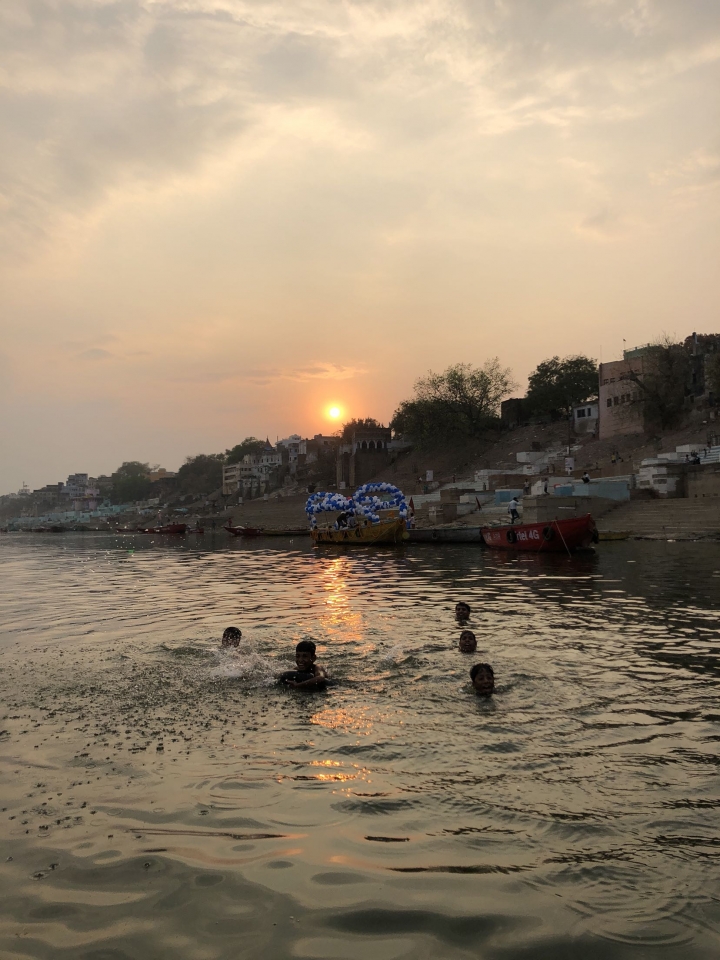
(665,519)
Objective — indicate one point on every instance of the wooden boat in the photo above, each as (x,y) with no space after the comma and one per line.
(169,529)
(386,531)
(235,531)
(556,536)
(446,535)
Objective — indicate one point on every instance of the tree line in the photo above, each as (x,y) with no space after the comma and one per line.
(199,474)
(464,401)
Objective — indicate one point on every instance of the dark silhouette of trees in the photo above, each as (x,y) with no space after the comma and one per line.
(249,446)
(460,402)
(201,474)
(664,383)
(363,423)
(556,385)
(130,482)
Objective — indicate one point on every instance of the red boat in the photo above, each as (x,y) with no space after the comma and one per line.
(243,531)
(556,536)
(170,529)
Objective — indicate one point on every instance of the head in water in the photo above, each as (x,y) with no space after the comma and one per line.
(231,637)
(305,655)
(462,610)
(467,642)
(483,679)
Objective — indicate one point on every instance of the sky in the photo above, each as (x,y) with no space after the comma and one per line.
(220,217)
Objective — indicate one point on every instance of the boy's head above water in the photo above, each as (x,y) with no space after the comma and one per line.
(231,637)
(467,642)
(483,679)
(462,610)
(305,655)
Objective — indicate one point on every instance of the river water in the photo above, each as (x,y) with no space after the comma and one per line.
(161,798)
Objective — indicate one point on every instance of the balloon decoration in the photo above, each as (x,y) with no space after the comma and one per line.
(363,503)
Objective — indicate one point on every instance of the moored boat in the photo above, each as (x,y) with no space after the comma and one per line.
(386,531)
(552,536)
(169,529)
(445,535)
(359,521)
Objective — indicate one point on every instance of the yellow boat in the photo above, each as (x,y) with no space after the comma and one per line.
(387,531)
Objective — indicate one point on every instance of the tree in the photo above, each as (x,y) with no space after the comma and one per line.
(131,482)
(712,375)
(366,423)
(559,385)
(664,383)
(202,473)
(461,402)
(249,446)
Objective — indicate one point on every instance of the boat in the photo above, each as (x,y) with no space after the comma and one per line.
(169,529)
(386,531)
(552,536)
(241,531)
(445,535)
(613,534)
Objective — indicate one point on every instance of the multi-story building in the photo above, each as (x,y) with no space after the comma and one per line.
(619,409)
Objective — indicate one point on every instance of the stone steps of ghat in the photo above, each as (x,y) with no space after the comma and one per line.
(671,518)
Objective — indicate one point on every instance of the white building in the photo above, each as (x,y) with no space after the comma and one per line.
(586,418)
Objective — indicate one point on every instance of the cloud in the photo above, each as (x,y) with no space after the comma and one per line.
(211,372)
(95,353)
(102,97)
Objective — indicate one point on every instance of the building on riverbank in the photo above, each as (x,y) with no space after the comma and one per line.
(366,455)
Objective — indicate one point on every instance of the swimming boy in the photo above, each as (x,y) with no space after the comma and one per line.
(309,674)
(467,642)
(231,637)
(483,679)
(462,610)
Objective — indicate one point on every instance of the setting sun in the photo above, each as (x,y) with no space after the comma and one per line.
(334,413)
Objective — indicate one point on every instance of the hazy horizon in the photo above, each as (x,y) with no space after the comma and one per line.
(219,217)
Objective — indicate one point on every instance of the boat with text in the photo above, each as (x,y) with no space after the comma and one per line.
(552,536)
(375,514)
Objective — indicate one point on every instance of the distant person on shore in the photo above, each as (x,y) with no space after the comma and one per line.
(309,674)
(231,637)
(483,679)
(513,509)
(586,477)
(467,642)
(545,487)
(462,610)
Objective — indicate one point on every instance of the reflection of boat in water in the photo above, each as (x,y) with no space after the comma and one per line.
(386,531)
(553,536)
(446,535)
